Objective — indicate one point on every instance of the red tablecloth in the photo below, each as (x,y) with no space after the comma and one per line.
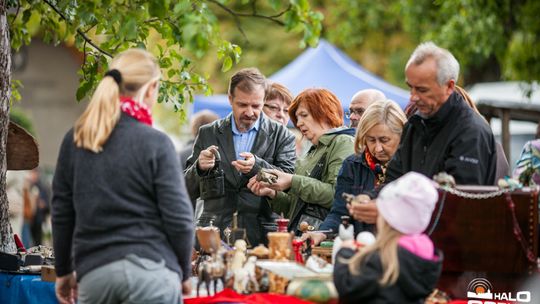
(230,296)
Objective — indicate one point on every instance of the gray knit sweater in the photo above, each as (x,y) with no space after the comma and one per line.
(128,199)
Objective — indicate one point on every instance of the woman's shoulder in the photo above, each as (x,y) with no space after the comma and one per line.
(143,134)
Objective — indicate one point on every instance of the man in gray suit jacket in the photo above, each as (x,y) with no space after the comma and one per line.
(247,141)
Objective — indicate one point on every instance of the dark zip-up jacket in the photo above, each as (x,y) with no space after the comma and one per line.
(416,280)
(455,140)
(354,177)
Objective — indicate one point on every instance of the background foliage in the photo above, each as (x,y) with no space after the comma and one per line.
(180,33)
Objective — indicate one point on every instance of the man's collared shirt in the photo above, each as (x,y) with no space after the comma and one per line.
(243,141)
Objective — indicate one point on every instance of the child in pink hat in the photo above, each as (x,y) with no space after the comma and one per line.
(402,265)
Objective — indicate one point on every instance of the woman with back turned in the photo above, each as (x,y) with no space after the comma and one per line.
(122,219)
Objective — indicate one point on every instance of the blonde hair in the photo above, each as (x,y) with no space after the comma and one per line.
(385,112)
(138,69)
(387,246)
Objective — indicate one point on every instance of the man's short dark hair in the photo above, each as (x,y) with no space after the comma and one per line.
(247,80)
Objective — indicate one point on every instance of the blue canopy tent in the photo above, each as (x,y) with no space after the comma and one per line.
(324,67)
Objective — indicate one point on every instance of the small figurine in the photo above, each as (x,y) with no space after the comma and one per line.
(279,244)
(267,176)
(297,248)
(349,198)
(346,232)
(238,233)
(305,227)
(282,224)
(244,278)
(307,249)
(239,257)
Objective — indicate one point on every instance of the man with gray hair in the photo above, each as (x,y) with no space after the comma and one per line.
(445,134)
(359,103)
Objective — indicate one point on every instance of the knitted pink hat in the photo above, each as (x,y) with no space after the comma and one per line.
(407,203)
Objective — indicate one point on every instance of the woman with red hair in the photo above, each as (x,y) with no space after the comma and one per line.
(307,195)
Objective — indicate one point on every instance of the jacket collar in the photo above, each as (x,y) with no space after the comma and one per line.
(453,101)
(433,124)
(327,137)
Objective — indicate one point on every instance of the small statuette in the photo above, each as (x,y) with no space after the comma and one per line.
(227,233)
(265,175)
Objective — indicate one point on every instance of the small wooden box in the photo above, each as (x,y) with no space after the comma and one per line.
(48,273)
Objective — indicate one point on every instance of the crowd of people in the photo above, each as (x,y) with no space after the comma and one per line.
(123,200)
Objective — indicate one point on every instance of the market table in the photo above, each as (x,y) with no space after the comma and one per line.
(25,288)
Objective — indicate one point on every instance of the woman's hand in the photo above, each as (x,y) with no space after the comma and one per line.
(283,182)
(259,189)
(316,237)
(363,209)
(66,289)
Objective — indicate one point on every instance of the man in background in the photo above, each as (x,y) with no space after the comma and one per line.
(359,103)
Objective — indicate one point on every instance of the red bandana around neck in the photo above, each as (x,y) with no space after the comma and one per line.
(136,110)
(377,168)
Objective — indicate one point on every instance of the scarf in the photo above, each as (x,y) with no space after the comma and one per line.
(136,110)
(377,168)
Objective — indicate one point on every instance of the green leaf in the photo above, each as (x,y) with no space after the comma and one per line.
(227,64)
(129,28)
(158,8)
(83,90)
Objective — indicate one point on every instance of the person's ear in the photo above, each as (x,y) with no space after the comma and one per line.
(230,98)
(151,92)
(450,86)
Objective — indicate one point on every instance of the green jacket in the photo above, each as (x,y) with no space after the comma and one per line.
(321,192)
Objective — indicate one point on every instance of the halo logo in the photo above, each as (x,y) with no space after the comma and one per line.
(480,291)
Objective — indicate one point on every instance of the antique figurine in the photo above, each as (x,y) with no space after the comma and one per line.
(346,232)
(239,256)
(244,278)
(279,244)
(211,270)
(265,175)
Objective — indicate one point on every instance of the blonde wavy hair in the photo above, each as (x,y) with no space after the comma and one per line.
(138,69)
(386,112)
(387,246)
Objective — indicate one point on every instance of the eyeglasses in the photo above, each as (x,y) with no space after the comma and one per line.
(276,109)
(358,112)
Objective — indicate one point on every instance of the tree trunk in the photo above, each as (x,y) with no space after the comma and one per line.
(6,233)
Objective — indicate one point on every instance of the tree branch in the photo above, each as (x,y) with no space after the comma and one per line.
(16,14)
(254,14)
(83,35)
(235,16)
